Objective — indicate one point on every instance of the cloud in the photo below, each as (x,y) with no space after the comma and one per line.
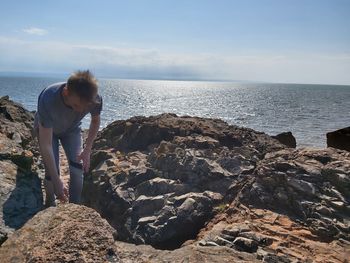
(35,31)
(129,62)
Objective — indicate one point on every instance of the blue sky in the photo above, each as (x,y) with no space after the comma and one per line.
(300,41)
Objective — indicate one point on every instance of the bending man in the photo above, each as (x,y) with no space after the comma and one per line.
(61,107)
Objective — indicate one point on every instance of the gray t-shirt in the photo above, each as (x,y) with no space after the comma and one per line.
(53,113)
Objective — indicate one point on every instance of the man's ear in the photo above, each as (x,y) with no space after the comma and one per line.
(65,91)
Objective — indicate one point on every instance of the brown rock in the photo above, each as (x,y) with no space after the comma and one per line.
(176,169)
(20,187)
(68,233)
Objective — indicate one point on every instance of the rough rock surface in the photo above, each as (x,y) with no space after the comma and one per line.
(209,191)
(158,179)
(73,233)
(295,208)
(309,185)
(339,139)
(68,233)
(20,186)
(159,186)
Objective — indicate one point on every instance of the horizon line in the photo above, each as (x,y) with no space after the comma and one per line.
(103,76)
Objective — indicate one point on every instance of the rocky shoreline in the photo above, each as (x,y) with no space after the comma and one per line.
(171,188)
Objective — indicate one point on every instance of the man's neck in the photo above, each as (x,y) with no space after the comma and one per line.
(64,97)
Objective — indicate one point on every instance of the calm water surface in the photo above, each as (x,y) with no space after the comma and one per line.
(308,111)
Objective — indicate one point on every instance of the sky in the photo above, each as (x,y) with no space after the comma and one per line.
(289,41)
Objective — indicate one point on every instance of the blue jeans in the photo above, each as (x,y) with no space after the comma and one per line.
(72,145)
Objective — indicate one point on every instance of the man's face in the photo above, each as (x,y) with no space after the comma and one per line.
(77,103)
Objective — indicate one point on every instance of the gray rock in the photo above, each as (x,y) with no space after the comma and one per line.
(245,244)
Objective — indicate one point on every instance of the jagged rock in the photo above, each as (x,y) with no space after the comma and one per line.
(270,237)
(216,192)
(15,121)
(73,233)
(339,139)
(138,133)
(176,169)
(20,186)
(299,183)
(246,244)
(287,139)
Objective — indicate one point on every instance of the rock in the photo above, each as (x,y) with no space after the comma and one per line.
(145,206)
(138,133)
(210,252)
(299,190)
(202,190)
(287,139)
(68,233)
(20,186)
(16,122)
(176,169)
(339,139)
(270,237)
(73,233)
(246,244)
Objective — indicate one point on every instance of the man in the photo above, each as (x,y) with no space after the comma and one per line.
(61,107)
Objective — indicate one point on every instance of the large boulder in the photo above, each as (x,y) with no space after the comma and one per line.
(20,186)
(158,180)
(339,139)
(68,233)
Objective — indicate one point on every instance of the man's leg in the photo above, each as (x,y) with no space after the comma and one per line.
(49,189)
(72,145)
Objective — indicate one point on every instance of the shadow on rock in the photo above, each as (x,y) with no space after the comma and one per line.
(21,197)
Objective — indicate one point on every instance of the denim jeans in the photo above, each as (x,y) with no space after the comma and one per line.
(72,145)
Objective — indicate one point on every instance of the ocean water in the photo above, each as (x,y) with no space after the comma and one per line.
(308,111)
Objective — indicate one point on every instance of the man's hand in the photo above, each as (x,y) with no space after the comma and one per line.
(84,156)
(61,191)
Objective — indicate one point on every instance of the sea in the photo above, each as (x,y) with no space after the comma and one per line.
(308,111)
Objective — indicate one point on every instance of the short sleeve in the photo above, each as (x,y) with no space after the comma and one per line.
(96,110)
(44,117)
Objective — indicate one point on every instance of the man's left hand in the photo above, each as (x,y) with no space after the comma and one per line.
(84,156)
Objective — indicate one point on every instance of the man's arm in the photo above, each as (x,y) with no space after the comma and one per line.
(45,145)
(93,130)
